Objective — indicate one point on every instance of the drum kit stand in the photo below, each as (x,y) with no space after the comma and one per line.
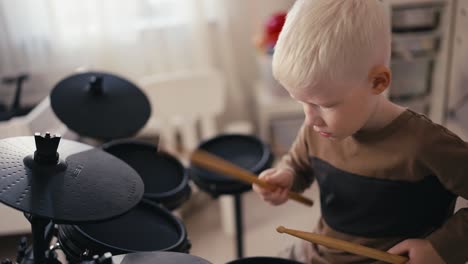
(55,181)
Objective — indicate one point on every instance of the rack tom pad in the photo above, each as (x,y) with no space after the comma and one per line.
(165,178)
(244,151)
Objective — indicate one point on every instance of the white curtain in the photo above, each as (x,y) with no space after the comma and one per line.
(52,38)
(134,36)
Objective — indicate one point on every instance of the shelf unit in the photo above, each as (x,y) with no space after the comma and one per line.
(423,75)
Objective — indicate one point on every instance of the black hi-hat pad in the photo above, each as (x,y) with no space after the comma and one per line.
(69,184)
(100,105)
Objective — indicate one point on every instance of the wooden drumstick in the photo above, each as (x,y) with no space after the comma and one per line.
(211,162)
(344,245)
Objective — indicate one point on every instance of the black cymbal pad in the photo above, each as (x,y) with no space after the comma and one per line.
(85,184)
(100,105)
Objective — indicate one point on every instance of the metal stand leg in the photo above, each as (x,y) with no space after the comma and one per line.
(239,227)
(38,226)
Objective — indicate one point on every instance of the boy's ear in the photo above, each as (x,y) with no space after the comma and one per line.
(380,77)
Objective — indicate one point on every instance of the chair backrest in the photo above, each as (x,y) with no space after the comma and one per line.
(184,104)
(14,127)
(41,119)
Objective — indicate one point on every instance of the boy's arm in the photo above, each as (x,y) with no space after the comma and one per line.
(446,155)
(298,160)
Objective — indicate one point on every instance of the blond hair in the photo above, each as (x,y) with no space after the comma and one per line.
(332,40)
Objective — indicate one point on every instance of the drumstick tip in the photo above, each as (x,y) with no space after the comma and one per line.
(281,229)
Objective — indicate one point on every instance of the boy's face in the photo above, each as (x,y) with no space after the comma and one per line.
(336,111)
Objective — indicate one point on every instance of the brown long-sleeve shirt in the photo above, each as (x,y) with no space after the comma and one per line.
(379,188)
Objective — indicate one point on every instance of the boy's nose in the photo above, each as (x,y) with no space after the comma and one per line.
(312,118)
(314,121)
(318,122)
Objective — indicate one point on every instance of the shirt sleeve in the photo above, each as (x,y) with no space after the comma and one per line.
(446,155)
(298,161)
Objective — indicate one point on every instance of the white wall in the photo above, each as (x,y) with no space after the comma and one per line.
(246,19)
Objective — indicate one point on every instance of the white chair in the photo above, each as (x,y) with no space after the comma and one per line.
(183,104)
(40,119)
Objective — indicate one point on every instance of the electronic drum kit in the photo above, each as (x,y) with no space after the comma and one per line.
(112,204)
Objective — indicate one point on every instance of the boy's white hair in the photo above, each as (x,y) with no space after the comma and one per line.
(332,41)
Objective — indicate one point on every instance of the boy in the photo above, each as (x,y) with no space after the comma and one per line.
(388,177)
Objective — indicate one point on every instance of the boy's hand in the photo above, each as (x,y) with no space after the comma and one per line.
(282,179)
(420,251)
